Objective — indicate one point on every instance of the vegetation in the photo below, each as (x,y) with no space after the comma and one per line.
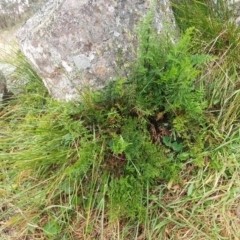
(154,156)
(13,13)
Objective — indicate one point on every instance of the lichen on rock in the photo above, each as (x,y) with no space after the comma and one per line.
(74,43)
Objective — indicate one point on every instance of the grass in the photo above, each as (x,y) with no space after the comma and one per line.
(154,156)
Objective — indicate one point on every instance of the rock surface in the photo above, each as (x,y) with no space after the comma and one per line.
(5,93)
(77,43)
(2,85)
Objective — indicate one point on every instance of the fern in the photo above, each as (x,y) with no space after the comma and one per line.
(167,73)
(86,155)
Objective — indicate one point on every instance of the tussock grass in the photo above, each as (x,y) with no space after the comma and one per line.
(155,156)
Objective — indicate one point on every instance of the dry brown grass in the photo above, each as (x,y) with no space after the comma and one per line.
(7,41)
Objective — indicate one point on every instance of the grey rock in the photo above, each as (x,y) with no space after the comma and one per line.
(8,71)
(2,86)
(5,93)
(77,43)
(234,7)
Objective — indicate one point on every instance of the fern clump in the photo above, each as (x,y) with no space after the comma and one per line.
(167,75)
(169,88)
